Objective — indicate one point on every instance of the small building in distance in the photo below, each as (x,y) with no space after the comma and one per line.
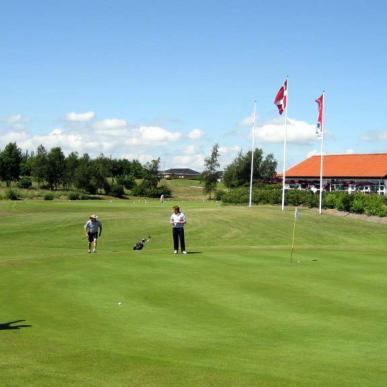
(180,173)
(350,173)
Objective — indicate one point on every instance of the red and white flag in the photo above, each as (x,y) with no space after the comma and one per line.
(320,108)
(281,98)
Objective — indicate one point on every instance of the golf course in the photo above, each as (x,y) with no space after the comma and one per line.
(234,311)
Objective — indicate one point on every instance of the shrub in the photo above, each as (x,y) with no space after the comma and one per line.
(128,182)
(12,194)
(374,205)
(49,196)
(296,197)
(219,194)
(91,188)
(117,190)
(236,196)
(329,200)
(358,204)
(344,201)
(266,196)
(25,182)
(143,190)
(73,196)
(107,187)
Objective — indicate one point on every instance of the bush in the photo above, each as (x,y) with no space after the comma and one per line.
(358,204)
(236,196)
(142,190)
(374,205)
(329,200)
(49,196)
(107,187)
(91,188)
(128,182)
(344,201)
(73,196)
(117,190)
(219,194)
(25,182)
(12,194)
(266,196)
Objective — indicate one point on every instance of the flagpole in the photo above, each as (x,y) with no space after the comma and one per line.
(252,153)
(321,155)
(285,138)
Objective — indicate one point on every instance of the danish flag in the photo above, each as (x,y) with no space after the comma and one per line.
(320,107)
(281,98)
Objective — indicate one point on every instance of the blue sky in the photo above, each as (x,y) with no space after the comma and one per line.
(169,78)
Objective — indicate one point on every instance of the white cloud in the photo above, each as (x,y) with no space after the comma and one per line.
(17,118)
(248,121)
(298,132)
(226,150)
(195,134)
(152,135)
(195,161)
(189,150)
(349,151)
(110,136)
(109,123)
(79,117)
(15,122)
(375,136)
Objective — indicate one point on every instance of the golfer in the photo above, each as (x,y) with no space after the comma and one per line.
(178,221)
(93,229)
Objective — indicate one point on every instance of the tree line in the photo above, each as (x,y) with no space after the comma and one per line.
(53,170)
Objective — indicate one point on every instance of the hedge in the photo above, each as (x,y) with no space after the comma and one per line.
(359,203)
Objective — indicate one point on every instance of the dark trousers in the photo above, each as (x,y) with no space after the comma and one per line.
(178,233)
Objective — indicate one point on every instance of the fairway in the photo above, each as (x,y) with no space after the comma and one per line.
(233,312)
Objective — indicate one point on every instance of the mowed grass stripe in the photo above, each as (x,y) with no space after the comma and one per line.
(234,313)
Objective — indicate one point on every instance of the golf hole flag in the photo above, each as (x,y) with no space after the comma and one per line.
(320,108)
(281,98)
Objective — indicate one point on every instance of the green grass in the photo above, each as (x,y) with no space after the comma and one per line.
(235,312)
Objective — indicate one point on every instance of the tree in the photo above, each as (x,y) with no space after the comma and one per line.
(26,164)
(209,175)
(71,162)
(151,174)
(83,177)
(237,174)
(39,165)
(10,160)
(56,168)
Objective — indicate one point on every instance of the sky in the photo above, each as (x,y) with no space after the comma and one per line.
(169,79)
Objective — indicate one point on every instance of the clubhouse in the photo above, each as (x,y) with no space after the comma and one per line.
(180,173)
(350,173)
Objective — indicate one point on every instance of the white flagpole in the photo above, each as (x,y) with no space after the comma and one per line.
(252,153)
(321,154)
(284,157)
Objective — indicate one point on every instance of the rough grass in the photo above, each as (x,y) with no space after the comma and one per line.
(233,312)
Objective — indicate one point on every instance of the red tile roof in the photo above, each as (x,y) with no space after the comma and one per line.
(352,165)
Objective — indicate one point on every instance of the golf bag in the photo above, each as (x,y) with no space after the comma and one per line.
(140,244)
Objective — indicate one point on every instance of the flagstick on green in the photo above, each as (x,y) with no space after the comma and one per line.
(294,232)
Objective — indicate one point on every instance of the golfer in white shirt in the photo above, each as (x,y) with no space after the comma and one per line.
(177,221)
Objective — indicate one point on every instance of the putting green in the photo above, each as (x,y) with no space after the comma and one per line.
(234,311)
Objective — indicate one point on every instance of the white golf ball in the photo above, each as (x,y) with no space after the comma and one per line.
(119,303)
